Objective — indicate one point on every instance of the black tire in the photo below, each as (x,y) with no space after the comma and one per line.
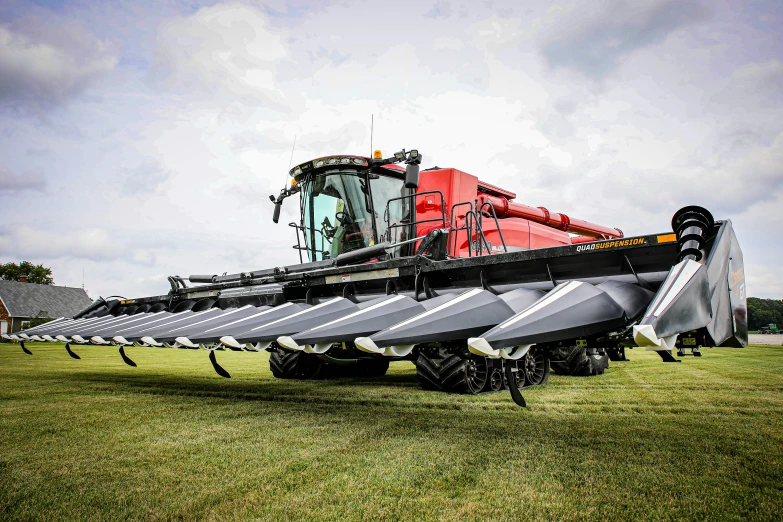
(579,363)
(427,373)
(295,365)
(452,373)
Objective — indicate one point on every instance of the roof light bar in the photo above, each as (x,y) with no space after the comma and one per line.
(326,162)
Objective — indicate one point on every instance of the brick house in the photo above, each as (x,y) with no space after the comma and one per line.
(20,302)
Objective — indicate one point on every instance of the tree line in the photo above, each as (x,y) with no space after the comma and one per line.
(762,312)
(37,274)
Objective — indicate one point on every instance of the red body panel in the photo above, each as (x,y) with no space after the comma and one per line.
(458,187)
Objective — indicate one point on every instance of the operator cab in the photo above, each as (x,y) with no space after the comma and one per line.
(343,205)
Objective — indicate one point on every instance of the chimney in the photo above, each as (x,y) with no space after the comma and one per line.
(23,278)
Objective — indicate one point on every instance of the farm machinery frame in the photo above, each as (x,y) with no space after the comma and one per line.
(439,268)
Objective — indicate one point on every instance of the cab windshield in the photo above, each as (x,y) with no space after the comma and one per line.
(341,214)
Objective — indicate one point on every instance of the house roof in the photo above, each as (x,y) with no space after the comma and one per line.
(31,300)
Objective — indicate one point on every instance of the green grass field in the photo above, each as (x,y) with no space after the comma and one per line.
(97,440)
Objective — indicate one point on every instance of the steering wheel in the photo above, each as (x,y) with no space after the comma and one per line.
(344,218)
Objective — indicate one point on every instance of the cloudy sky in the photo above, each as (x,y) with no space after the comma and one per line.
(142,139)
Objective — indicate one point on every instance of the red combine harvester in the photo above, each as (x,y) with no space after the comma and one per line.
(438,268)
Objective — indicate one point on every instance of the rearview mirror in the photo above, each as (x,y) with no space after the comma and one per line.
(412,176)
(276,215)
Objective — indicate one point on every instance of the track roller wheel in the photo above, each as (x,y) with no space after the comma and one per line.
(496,380)
(295,365)
(476,374)
(535,368)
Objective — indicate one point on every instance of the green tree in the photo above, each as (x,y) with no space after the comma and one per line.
(37,274)
(37,321)
(761,312)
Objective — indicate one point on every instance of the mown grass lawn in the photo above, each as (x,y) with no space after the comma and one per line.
(96,439)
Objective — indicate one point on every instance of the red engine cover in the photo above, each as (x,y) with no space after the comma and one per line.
(460,187)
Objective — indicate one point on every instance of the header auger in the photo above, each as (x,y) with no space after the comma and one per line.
(438,268)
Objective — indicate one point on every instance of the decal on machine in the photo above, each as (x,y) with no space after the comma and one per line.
(737,276)
(363,276)
(615,243)
(206,293)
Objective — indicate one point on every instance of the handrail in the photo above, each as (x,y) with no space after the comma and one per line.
(299,246)
(497,223)
(390,226)
(466,226)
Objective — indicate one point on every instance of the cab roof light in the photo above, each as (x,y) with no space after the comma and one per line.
(377,155)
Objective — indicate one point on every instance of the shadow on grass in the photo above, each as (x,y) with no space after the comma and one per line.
(391,390)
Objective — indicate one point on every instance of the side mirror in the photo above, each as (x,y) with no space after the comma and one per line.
(276,215)
(412,176)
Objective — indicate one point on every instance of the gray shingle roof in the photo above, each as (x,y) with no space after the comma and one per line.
(30,300)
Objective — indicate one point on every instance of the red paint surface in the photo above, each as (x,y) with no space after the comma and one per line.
(522,226)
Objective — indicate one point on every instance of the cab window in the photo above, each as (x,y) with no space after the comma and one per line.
(385,189)
(336,215)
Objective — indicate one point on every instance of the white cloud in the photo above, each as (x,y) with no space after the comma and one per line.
(594,37)
(11,183)
(494,32)
(43,64)
(231,48)
(447,42)
(23,241)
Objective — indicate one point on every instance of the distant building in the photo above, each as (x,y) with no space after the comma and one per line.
(20,302)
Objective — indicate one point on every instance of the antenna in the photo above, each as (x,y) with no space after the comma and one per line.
(82,278)
(372,125)
(290,161)
(286,191)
